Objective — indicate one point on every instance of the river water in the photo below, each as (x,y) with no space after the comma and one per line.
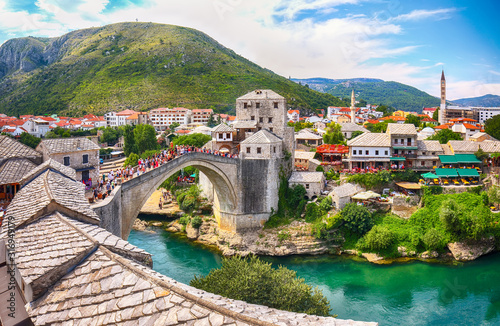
(413,293)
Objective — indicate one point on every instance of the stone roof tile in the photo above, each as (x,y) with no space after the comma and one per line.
(223,128)
(10,148)
(401,129)
(68,145)
(263,136)
(52,165)
(350,127)
(429,146)
(13,170)
(264,94)
(301,177)
(371,140)
(463,146)
(306,134)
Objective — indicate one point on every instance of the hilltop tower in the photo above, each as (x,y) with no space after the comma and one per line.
(442,108)
(353,107)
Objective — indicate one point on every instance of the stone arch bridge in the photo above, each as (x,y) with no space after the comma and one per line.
(245,191)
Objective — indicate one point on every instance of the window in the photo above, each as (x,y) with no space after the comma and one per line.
(228,135)
(270,120)
(85,175)
(274,149)
(248,150)
(261,119)
(220,136)
(434,163)
(257,105)
(423,163)
(386,153)
(307,186)
(85,158)
(271,129)
(66,160)
(367,152)
(275,105)
(259,150)
(252,117)
(395,141)
(424,153)
(376,152)
(245,105)
(354,152)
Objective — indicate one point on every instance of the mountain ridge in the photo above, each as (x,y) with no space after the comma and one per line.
(488,100)
(134,65)
(374,91)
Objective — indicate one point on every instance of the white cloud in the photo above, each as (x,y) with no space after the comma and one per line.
(417,15)
(456,89)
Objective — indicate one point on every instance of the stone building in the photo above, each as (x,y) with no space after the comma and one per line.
(341,195)
(80,154)
(428,154)
(314,182)
(223,138)
(348,128)
(262,145)
(369,150)
(404,143)
(305,140)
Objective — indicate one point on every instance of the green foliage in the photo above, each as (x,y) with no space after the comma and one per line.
(184,220)
(445,135)
(189,199)
(319,168)
(371,180)
(413,119)
(433,240)
(145,138)
(435,115)
(407,175)
(291,204)
(109,135)
(173,126)
(255,281)
(129,145)
(379,127)
(356,218)
(481,155)
(211,121)
(196,222)
(29,140)
(299,125)
(492,127)
(378,238)
(196,140)
(494,195)
(450,215)
(325,205)
(313,212)
(333,134)
(132,160)
(284,235)
(356,133)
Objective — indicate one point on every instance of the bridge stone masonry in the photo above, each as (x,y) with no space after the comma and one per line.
(244,191)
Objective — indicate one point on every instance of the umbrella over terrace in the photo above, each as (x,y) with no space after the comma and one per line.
(429,175)
(366,195)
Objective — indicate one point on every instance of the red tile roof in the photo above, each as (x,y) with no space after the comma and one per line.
(442,127)
(126,112)
(428,119)
(472,127)
(332,149)
(430,109)
(462,120)
(293,111)
(372,121)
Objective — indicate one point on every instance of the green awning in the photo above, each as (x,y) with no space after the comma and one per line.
(448,159)
(446,173)
(398,158)
(405,147)
(467,158)
(429,175)
(468,172)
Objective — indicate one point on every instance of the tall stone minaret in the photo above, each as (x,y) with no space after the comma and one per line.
(442,108)
(353,107)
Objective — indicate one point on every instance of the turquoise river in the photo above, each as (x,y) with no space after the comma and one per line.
(413,293)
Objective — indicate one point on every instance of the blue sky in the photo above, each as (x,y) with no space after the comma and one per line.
(401,40)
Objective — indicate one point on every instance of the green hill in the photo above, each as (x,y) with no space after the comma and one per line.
(134,65)
(374,91)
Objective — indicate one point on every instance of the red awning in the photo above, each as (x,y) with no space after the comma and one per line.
(332,149)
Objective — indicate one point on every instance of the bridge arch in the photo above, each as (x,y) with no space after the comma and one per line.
(221,171)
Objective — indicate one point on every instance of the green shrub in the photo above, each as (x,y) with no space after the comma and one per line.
(184,220)
(319,230)
(319,168)
(378,238)
(313,212)
(132,160)
(433,240)
(325,205)
(334,221)
(356,218)
(284,235)
(255,281)
(196,222)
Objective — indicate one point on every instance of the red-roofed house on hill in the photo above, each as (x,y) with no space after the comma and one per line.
(293,115)
(162,118)
(466,130)
(115,119)
(429,111)
(429,120)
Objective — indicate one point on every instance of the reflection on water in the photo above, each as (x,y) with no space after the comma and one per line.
(399,294)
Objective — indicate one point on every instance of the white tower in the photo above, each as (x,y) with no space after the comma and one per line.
(442,108)
(353,108)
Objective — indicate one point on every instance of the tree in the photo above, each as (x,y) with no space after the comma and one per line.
(132,160)
(445,135)
(109,135)
(494,195)
(255,281)
(196,140)
(173,126)
(492,127)
(414,119)
(145,138)
(432,239)
(387,111)
(29,140)
(435,115)
(333,134)
(449,215)
(211,121)
(481,155)
(129,145)
(356,218)
(356,134)
(378,238)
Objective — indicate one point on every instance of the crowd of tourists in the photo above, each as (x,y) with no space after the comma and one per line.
(115,177)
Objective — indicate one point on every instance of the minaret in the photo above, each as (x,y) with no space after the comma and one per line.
(353,108)
(443,99)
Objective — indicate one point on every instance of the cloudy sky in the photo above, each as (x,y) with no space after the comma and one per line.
(400,40)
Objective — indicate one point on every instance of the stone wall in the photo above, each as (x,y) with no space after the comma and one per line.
(110,212)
